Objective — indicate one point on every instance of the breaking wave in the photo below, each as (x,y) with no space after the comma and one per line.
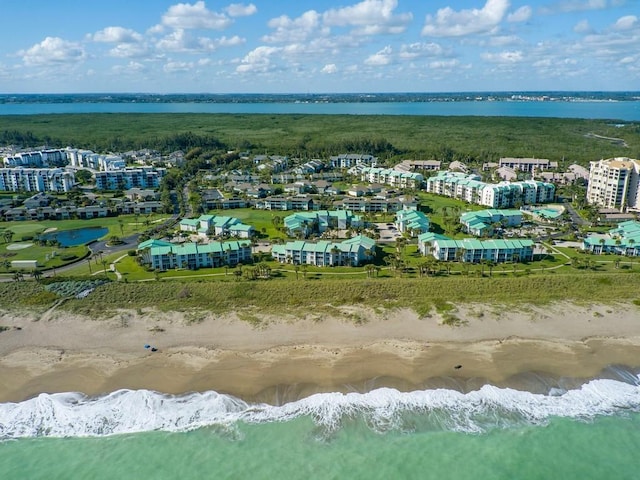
(384,409)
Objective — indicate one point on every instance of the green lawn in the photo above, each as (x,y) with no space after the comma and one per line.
(120,226)
(47,256)
(261,220)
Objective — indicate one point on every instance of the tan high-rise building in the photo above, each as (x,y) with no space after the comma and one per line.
(615,183)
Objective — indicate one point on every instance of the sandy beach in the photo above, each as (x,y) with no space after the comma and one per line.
(286,358)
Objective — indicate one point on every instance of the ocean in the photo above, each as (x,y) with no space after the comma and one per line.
(588,432)
(608,110)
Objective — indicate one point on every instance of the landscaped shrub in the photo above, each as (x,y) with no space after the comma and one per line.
(131,253)
(67,258)
(26,238)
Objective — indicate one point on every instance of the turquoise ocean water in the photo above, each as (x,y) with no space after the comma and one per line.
(588,432)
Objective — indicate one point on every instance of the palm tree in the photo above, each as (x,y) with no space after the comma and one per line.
(18,277)
(8,236)
(36,274)
(369,268)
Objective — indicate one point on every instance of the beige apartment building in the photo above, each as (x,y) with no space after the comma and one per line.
(615,183)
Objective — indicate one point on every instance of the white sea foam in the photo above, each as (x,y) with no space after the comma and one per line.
(129,411)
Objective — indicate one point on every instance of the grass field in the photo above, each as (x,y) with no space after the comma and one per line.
(315,297)
(443,138)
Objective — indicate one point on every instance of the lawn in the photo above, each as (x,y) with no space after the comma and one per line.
(47,256)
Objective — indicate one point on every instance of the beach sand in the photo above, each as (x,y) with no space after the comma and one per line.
(286,358)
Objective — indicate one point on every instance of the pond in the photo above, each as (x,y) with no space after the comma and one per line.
(78,236)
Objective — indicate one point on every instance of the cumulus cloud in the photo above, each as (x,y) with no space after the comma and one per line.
(129,50)
(583,27)
(514,56)
(520,15)
(420,50)
(450,23)
(626,23)
(444,64)
(196,16)
(241,10)
(182,41)
(174,67)
(52,51)
(504,40)
(289,30)
(567,6)
(380,58)
(257,60)
(117,35)
(370,17)
(329,69)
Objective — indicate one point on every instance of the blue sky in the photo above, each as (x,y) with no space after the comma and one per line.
(302,46)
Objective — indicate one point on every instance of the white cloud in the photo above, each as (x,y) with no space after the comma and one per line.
(520,15)
(444,64)
(505,40)
(583,27)
(52,51)
(117,35)
(419,50)
(514,56)
(173,67)
(370,16)
(380,58)
(450,23)
(196,16)
(241,10)
(130,68)
(129,50)
(257,60)
(182,41)
(329,69)
(626,23)
(567,6)
(288,30)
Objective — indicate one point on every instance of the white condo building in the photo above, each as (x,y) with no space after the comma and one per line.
(615,183)
(471,189)
(36,180)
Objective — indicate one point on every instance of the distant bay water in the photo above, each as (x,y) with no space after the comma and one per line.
(625,111)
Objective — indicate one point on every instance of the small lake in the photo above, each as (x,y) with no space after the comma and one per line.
(78,236)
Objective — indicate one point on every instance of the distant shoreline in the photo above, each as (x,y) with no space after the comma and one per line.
(563,342)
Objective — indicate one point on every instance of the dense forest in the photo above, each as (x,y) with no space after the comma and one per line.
(468,139)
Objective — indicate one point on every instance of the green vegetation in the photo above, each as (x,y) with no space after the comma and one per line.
(469,139)
(424,295)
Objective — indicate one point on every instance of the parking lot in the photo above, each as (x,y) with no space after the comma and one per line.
(388,233)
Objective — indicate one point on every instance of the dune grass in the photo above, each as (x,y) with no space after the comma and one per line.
(300,297)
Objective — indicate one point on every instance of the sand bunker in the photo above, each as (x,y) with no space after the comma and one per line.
(19,246)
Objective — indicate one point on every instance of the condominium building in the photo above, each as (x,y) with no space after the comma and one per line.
(412,222)
(39,159)
(348,160)
(305,223)
(527,164)
(482,222)
(474,251)
(163,255)
(470,188)
(622,240)
(36,180)
(143,177)
(350,252)
(615,183)
(219,225)
(389,176)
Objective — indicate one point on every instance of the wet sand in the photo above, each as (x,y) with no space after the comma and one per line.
(286,358)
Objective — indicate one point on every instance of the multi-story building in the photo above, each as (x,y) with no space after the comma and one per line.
(353,252)
(412,222)
(389,176)
(164,255)
(501,195)
(143,177)
(306,223)
(36,180)
(38,159)
(527,164)
(206,225)
(473,250)
(615,183)
(348,160)
(482,222)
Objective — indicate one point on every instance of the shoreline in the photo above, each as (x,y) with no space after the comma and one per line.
(287,358)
